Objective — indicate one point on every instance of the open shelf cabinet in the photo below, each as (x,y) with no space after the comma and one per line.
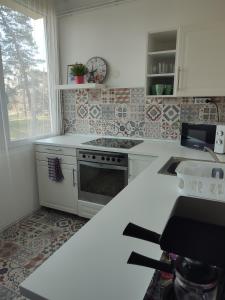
(161,63)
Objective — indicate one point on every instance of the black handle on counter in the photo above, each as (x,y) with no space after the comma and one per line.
(141,260)
(141,233)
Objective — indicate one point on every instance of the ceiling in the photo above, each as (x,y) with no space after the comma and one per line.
(67,6)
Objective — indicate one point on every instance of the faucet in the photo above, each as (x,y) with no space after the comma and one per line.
(213,154)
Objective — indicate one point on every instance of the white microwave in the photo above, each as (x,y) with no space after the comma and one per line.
(199,136)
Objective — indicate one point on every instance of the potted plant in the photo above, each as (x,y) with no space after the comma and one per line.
(79,71)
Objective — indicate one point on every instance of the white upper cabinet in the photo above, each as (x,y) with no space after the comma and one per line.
(201,69)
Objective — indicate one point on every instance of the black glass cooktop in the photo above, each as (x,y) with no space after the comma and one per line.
(114,143)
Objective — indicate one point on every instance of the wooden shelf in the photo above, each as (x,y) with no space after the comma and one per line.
(80,86)
(161,75)
(162,53)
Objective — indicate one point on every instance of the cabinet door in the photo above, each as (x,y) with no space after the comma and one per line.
(202,63)
(59,195)
(137,164)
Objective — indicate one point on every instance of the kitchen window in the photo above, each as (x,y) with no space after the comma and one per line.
(25,75)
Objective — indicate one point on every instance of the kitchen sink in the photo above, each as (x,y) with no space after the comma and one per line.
(171,165)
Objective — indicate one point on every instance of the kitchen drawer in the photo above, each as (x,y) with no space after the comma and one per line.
(56,150)
(65,159)
(88,209)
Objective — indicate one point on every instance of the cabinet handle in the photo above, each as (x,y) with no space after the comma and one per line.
(74,177)
(53,149)
(178,78)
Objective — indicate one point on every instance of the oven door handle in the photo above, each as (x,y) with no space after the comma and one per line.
(103,166)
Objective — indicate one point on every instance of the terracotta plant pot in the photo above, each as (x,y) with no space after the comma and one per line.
(79,79)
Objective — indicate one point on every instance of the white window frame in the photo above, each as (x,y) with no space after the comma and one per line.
(4,119)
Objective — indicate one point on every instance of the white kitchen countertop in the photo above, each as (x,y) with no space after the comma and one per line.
(92,265)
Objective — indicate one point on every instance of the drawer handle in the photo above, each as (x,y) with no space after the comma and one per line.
(53,149)
(74,184)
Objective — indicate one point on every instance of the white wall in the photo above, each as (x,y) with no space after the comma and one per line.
(18,188)
(119,33)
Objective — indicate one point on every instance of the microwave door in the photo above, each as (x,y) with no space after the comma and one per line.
(198,136)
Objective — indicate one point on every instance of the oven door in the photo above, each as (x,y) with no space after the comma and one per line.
(99,183)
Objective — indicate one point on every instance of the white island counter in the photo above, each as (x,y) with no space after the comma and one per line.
(92,265)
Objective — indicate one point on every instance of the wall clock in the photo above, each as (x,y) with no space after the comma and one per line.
(97,70)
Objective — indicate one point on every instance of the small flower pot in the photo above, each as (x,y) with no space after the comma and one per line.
(79,79)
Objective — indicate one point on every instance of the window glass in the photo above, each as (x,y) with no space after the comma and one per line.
(23,50)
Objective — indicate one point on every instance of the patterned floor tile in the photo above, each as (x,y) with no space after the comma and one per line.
(7,294)
(27,244)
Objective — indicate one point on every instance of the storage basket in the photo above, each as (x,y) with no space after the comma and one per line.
(201,179)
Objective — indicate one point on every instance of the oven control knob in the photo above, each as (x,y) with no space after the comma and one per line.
(83,155)
(219,142)
(220,133)
(103,158)
(93,157)
(113,158)
(118,160)
(108,158)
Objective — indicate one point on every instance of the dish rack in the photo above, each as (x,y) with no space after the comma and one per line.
(201,179)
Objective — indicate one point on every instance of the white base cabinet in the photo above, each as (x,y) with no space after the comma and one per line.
(64,195)
(58,195)
(137,164)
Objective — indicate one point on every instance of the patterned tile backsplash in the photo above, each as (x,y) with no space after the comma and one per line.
(129,113)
